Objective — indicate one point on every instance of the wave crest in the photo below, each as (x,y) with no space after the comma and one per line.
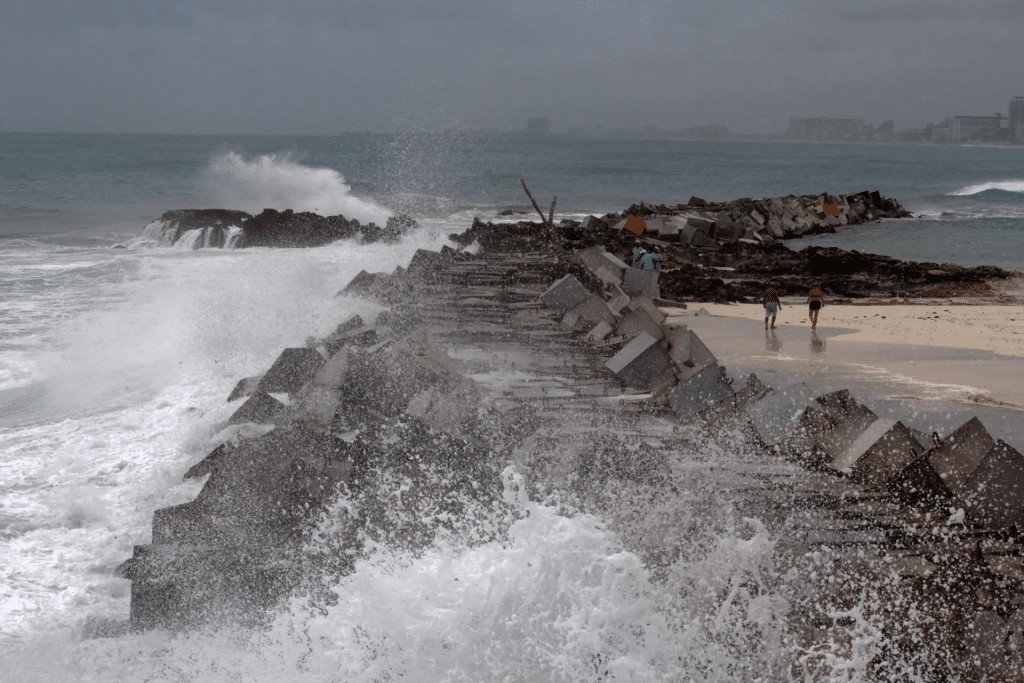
(1005,185)
(273,182)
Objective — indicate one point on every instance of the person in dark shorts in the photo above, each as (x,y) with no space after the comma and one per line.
(815,300)
(771,306)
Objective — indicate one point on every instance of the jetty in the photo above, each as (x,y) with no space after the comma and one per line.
(578,370)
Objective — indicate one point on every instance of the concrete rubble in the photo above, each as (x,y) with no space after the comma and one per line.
(369,393)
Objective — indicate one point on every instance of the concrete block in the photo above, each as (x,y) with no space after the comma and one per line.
(836,442)
(687,350)
(617,300)
(598,333)
(861,443)
(569,320)
(960,453)
(838,405)
(292,369)
(888,455)
(753,391)
(636,281)
(993,496)
(613,262)
(647,304)
(640,362)
(244,388)
(260,408)
(700,391)
(638,322)
(595,310)
(590,257)
(919,484)
(757,217)
(778,413)
(565,294)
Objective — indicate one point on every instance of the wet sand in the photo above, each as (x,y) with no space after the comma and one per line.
(934,374)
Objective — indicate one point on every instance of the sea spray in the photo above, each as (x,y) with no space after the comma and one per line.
(276,181)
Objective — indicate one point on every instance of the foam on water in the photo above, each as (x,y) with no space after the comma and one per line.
(276,182)
(1005,185)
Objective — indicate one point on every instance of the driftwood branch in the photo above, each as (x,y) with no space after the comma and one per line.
(548,222)
(533,201)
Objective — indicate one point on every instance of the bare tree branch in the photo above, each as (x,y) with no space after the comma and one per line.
(551,213)
(533,201)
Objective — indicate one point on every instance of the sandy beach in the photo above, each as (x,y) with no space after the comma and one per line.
(996,328)
(945,362)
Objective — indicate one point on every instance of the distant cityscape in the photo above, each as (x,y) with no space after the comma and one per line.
(994,129)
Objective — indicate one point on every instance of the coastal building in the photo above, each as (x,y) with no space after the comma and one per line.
(966,127)
(1016,117)
(823,129)
(538,128)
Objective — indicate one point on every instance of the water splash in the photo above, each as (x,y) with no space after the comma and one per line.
(276,182)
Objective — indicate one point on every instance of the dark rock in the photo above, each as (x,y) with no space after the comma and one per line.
(207,464)
(696,201)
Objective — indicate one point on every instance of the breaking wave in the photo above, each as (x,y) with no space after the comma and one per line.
(275,182)
(1004,185)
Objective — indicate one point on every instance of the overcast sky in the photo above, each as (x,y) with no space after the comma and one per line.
(328,66)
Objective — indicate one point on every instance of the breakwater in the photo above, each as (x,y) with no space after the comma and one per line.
(588,357)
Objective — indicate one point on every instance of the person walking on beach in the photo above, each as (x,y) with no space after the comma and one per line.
(771,306)
(815,301)
(647,260)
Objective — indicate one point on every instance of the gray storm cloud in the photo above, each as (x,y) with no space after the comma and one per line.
(319,67)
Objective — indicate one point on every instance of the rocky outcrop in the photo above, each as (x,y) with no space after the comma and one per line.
(221,228)
(733,251)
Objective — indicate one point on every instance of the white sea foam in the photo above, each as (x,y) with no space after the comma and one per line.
(277,182)
(1007,185)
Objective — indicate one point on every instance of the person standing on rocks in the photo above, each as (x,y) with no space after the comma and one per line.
(647,260)
(638,253)
(815,301)
(771,306)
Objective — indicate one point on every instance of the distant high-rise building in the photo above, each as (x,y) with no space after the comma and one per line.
(966,127)
(1016,114)
(538,128)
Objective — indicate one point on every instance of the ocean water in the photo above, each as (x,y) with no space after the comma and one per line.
(114,365)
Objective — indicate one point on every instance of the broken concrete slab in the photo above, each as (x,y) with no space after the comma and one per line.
(565,294)
(644,282)
(260,408)
(292,369)
(778,413)
(699,391)
(993,496)
(640,362)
